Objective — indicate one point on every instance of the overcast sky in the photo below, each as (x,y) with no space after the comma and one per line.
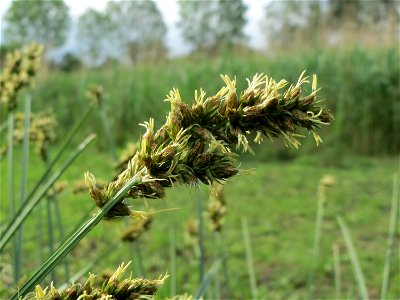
(169,10)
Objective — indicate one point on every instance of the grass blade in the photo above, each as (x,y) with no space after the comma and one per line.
(249,259)
(359,276)
(207,279)
(172,254)
(50,230)
(24,211)
(73,240)
(338,275)
(78,275)
(317,240)
(61,232)
(60,152)
(224,264)
(391,236)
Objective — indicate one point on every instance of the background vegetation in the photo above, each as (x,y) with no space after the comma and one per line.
(353,48)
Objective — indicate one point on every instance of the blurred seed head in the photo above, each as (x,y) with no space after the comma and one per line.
(19,71)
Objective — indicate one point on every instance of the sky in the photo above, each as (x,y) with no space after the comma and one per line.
(169,10)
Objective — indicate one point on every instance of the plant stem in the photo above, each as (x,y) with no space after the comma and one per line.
(358,274)
(108,133)
(73,240)
(201,233)
(24,176)
(172,254)
(317,239)
(249,259)
(24,211)
(391,236)
(224,264)
(61,233)
(138,251)
(338,279)
(50,230)
(207,278)
(61,151)
(40,235)
(10,156)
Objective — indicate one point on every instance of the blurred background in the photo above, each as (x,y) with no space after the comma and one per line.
(139,50)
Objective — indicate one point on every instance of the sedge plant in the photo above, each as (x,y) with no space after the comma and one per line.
(18,73)
(198,143)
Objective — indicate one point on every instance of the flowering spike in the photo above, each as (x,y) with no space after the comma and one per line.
(197,143)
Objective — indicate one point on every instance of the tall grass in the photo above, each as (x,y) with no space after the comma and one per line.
(361,87)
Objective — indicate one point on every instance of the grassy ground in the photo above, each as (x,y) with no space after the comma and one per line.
(279,200)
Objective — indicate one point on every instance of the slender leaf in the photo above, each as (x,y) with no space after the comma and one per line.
(358,274)
(201,233)
(24,176)
(394,211)
(73,240)
(338,275)
(60,152)
(11,193)
(24,211)
(207,279)
(249,259)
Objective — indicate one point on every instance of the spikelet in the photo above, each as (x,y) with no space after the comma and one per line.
(19,71)
(197,143)
(113,287)
(216,207)
(41,132)
(134,231)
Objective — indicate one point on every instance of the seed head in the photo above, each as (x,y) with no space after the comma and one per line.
(19,71)
(198,142)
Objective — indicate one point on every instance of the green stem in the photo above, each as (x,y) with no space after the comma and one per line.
(338,275)
(10,156)
(391,236)
(73,240)
(207,279)
(50,230)
(249,259)
(40,235)
(62,149)
(24,176)
(317,240)
(61,233)
(172,251)
(224,264)
(138,251)
(24,211)
(217,294)
(201,233)
(358,274)
(89,266)
(108,133)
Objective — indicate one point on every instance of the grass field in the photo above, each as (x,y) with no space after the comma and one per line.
(277,192)
(279,200)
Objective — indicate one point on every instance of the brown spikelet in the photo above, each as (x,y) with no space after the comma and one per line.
(198,142)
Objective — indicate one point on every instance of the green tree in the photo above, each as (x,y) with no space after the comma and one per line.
(285,20)
(138,29)
(211,25)
(45,22)
(93,36)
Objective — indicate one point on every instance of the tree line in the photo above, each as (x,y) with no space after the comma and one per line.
(131,31)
